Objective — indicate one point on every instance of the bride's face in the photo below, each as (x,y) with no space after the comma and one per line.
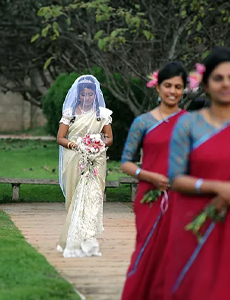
(87,97)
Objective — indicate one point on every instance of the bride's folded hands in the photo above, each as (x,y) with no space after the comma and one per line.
(71,145)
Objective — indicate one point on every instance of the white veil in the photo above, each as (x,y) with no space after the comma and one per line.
(84,97)
(74,100)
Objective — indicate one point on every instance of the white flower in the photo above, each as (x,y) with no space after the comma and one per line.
(82,147)
(79,140)
(97,137)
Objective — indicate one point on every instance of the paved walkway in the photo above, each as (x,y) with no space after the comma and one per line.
(97,278)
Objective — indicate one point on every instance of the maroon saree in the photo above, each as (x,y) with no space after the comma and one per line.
(152,224)
(200,270)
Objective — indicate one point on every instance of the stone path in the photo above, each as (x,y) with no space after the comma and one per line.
(97,278)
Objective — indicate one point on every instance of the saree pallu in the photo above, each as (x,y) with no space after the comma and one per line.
(151,223)
(84,197)
(200,270)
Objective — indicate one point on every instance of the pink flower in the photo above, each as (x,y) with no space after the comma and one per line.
(97,142)
(194,81)
(151,84)
(195,78)
(88,142)
(95,172)
(154,79)
(82,167)
(200,69)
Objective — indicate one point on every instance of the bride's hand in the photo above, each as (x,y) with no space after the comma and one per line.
(72,146)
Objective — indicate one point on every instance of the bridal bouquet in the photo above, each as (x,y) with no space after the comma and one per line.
(91,146)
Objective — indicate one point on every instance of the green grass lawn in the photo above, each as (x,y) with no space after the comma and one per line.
(39,159)
(40,131)
(25,274)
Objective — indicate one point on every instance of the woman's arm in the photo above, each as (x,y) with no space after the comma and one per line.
(132,145)
(158,180)
(180,179)
(187,184)
(107,130)
(61,137)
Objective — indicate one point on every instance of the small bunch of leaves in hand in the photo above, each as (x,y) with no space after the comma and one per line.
(208,213)
(151,196)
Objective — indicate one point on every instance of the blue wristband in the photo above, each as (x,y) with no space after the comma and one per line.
(198,185)
(138,171)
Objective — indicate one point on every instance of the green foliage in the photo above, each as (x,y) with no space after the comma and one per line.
(131,38)
(53,101)
(21,48)
(104,11)
(203,14)
(25,274)
(47,63)
(35,37)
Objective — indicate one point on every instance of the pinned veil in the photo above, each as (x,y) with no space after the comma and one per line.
(77,98)
(84,97)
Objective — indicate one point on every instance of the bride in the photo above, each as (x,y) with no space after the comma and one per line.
(83,113)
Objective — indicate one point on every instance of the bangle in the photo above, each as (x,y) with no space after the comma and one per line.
(198,185)
(68,145)
(138,171)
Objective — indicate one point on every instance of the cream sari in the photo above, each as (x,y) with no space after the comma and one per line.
(84,196)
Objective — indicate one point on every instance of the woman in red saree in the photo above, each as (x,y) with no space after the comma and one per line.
(199,170)
(152,131)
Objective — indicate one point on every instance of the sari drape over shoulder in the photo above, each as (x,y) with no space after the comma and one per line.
(198,270)
(152,224)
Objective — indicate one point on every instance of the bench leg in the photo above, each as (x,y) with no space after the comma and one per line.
(15,194)
(133,191)
(104,195)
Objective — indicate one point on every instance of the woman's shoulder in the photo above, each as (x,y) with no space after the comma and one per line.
(105,112)
(68,113)
(143,122)
(189,119)
(189,116)
(145,117)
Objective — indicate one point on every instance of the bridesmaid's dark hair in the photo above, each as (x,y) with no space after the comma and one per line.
(217,56)
(170,70)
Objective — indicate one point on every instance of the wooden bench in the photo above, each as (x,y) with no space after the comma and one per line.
(133,185)
(16,182)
